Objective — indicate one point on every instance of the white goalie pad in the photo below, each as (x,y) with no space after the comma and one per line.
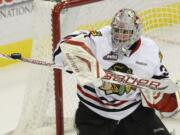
(82,62)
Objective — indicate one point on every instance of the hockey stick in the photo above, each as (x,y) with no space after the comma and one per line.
(164,85)
(18,56)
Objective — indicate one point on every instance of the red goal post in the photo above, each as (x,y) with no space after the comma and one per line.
(56,21)
(45,112)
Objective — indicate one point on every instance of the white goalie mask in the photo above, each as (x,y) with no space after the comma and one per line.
(125,31)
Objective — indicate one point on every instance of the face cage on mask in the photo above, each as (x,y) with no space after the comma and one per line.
(121,47)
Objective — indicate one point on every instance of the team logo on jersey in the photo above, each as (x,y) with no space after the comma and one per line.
(111,56)
(95,33)
(110,88)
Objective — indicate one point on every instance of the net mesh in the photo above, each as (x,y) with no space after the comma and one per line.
(38,112)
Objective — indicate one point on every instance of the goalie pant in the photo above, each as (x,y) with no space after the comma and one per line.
(89,123)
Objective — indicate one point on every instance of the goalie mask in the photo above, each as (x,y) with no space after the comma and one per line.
(125,31)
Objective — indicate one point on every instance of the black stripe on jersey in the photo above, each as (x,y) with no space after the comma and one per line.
(58,51)
(89,88)
(93,91)
(105,109)
(76,34)
(159,77)
(70,36)
(104,99)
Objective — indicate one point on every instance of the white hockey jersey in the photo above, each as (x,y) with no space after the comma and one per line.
(109,100)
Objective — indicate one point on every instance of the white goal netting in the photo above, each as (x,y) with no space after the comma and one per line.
(160,21)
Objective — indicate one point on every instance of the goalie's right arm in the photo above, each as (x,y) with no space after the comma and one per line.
(58,57)
(77,53)
(167,103)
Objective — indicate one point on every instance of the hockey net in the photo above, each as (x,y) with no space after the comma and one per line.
(43,113)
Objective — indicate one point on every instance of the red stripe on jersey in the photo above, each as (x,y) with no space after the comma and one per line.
(98,100)
(136,47)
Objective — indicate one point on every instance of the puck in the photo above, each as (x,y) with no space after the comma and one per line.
(16,55)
